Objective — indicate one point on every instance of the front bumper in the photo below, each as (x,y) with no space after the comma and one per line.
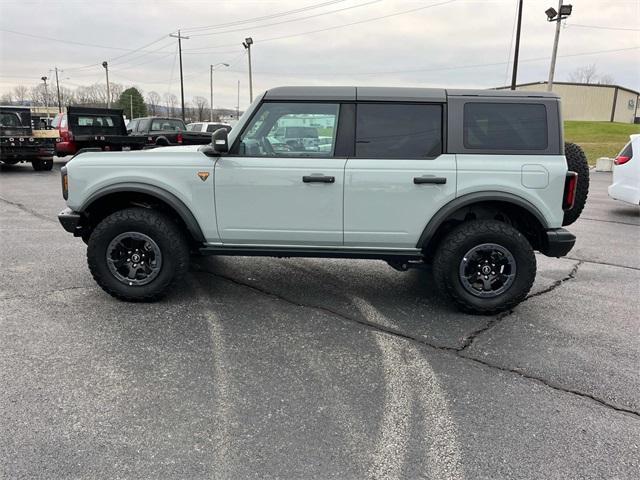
(70,221)
(557,242)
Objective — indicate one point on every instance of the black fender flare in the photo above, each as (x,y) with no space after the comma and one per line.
(159,193)
(469,199)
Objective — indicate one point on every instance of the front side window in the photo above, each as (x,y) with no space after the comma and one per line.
(395,130)
(291,130)
(505,126)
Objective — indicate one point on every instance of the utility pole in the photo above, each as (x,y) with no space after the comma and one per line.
(46,97)
(131,105)
(552,16)
(106,68)
(180,37)
(517,49)
(247,44)
(211,81)
(58,88)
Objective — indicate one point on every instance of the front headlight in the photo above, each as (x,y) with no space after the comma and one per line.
(65,183)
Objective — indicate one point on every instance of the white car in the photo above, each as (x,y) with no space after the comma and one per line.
(209,127)
(626,174)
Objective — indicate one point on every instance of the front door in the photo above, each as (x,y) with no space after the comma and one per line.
(281,184)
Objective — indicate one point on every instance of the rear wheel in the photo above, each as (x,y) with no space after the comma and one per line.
(42,165)
(137,254)
(485,266)
(577,162)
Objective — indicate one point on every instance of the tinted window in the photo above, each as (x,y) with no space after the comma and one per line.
(212,127)
(398,130)
(9,120)
(94,121)
(291,130)
(505,126)
(166,124)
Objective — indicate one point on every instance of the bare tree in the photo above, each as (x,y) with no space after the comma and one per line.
(586,74)
(20,93)
(171,101)
(153,100)
(201,105)
(6,99)
(606,80)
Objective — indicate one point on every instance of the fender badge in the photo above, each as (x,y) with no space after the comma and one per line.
(203,175)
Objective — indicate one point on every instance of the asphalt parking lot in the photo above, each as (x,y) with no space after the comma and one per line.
(302,368)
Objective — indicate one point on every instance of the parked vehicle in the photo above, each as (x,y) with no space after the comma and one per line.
(626,174)
(469,181)
(88,127)
(208,127)
(165,131)
(20,142)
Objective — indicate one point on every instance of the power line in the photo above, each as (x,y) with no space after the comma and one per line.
(264,17)
(287,21)
(270,39)
(602,27)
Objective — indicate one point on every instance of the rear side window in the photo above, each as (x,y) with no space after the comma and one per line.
(165,124)
(396,130)
(505,126)
(95,121)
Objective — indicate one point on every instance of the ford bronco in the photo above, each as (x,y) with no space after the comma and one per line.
(470,182)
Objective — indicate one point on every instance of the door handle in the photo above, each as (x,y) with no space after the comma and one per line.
(318,179)
(430,179)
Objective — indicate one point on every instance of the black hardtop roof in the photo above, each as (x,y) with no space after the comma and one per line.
(75,110)
(159,118)
(381,94)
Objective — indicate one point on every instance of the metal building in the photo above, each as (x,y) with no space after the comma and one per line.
(591,101)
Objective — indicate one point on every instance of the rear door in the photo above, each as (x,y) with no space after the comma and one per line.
(399,177)
(269,192)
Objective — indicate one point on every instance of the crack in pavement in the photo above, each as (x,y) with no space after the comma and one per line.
(610,221)
(46,292)
(458,352)
(603,263)
(468,341)
(28,210)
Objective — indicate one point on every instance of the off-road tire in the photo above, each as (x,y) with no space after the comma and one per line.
(459,241)
(42,165)
(577,162)
(164,231)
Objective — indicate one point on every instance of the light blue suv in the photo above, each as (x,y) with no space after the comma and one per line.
(470,182)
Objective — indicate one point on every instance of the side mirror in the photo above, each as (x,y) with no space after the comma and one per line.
(220,140)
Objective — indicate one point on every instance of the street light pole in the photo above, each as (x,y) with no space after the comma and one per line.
(180,37)
(552,16)
(46,97)
(517,49)
(247,44)
(106,68)
(58,88)
(211,81)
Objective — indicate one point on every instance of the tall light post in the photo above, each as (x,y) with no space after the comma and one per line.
(58,88)
(516,53)
(552,16)
(46,96)
(180,38)
(247,44)
(211,81)
(106,69)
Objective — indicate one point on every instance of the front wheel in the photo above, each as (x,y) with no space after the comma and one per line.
(485,266)
(137,254)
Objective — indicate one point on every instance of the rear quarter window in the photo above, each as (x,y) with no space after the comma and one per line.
(505,126)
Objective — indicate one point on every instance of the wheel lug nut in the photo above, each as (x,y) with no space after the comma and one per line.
(128,259)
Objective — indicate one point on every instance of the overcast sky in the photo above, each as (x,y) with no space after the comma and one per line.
(456,43)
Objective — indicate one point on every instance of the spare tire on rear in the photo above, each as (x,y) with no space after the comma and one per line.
(577,162)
